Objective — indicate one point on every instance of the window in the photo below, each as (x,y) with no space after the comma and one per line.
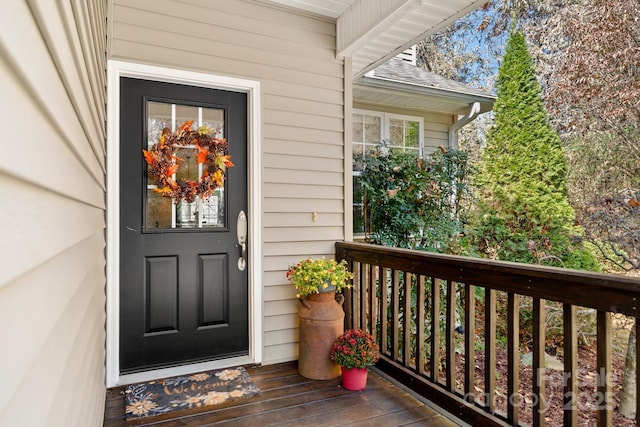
(369,129)
(404,134)
(160,212)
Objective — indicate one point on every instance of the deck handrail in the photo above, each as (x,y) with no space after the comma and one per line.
(433,318)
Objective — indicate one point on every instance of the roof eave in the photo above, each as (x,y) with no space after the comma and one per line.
(459,100)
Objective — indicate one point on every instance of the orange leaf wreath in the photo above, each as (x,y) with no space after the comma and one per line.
(163,163)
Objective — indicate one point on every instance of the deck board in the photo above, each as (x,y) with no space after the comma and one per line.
(288,399)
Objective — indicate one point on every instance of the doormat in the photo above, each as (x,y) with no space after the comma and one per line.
(196,391)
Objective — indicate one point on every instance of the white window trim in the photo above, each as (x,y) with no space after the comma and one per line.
(385,117)
(117,69)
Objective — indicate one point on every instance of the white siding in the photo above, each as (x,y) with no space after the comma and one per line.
(52,186)
(302,147)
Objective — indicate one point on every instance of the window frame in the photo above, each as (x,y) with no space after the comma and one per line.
(385,119)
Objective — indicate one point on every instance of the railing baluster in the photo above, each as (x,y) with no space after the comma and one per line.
(406,320)
(373,300)
(362,297)
(636,325)
(490,349)
(469,341)
(420,319)
(435,330)
(349,297)
(539,362)
(395,313)
(450,357)
(513,373)
(570,400)
(384,308)
(605,405)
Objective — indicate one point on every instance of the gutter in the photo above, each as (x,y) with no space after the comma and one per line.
(453,130)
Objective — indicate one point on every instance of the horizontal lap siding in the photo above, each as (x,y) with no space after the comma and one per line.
(52,182)
(302,154)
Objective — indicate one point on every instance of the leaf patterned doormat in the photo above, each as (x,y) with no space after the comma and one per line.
(189,392)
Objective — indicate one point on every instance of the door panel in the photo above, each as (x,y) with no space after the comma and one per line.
(161,294)
(182,297)
(213,301)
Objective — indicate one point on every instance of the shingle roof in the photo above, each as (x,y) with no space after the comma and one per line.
(403,71)
(400,84)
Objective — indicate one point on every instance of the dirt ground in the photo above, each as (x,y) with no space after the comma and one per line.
(587,388)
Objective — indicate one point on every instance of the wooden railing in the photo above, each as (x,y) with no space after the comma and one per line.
(421,307)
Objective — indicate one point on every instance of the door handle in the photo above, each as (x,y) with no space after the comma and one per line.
(242,240)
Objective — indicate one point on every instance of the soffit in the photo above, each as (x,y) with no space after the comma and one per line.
(373,31)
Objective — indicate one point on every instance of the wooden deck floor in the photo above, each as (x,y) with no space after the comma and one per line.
(288,399)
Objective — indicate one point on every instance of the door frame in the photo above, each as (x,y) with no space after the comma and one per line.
(115,70)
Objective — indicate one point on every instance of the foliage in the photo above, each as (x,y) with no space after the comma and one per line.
(523,213)
(595,93)
(311,276)
(613,227)
(596,84)
(469,49)
(355,349)
(414,203)
(602,178)
(163,163)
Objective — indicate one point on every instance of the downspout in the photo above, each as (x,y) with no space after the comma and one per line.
(453,142)
(453,130)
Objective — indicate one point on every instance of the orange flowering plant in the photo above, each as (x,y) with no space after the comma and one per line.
(355,349)
(163,163)
(314,276)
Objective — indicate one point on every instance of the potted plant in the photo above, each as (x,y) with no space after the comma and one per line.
(355,350)
(320,316)
(319,275)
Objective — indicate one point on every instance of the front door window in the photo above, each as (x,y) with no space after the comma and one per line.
(160,212)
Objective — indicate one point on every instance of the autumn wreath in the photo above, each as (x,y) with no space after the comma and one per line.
(163,162)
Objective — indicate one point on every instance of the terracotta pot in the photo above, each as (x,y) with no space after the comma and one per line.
(354,378)
(321,323)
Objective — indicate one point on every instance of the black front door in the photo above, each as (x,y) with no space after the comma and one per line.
(183,293)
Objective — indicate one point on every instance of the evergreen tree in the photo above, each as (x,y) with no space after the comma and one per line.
(524,214)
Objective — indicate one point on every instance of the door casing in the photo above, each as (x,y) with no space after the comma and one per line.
(117,69)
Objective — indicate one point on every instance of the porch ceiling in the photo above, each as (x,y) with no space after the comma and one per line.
(373,31)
